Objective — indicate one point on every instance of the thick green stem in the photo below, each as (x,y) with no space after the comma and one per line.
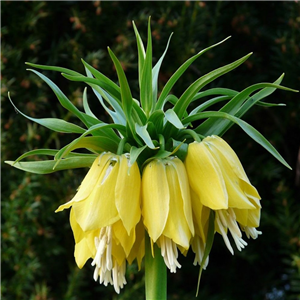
(155,273)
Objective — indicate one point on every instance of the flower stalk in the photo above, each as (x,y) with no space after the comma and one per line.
(155,272)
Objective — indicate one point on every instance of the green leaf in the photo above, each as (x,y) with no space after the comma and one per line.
(135,153)
(157,118)
(143,133)
(66,103)
(173,118)
(190,92)
(64,151)
(53,123)
(53,68)
(86,106)
(171,82)
(141,53)
(238,107)
(50,152)
(267,104)
(155,71)
(251,131)
(127,101)
(146,97)
(215,91)
(47,166)
(180,149)
(105,82)
(208,103)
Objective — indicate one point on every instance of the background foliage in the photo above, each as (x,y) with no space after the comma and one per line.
(37,244)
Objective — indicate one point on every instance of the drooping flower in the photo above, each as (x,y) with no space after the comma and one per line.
(218,179)
(166,207)
(104,215)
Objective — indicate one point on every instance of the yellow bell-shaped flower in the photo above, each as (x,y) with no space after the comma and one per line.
(109,192)
(166,207)
(220,183)
(104,216)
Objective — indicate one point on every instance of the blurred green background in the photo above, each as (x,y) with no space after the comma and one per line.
(37,244)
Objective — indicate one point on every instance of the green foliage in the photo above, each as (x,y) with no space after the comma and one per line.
(37,247)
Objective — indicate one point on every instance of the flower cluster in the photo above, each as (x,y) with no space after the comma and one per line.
(171,201)
(154,174)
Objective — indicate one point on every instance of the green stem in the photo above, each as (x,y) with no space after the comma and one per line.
(155,273)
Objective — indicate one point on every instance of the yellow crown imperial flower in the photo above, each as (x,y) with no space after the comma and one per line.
(166,207)
(219,181)
(104,215)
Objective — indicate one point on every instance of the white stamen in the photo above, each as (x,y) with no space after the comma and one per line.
(109,272)
(169,253)
(251,232)
(198,248)
(226,219)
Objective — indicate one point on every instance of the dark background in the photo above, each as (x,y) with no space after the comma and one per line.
(37,244)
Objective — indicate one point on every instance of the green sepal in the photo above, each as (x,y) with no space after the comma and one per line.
(47,166)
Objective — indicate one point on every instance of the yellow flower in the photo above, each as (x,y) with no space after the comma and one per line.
(218,179)
(104,216)
(166,207)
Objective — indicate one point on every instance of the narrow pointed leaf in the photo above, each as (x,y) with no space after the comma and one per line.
(155,71)
(141,52)
(66,103)
(171,82)
(188,95)
(146,79)
(143,133)
(54,124)
(86,106)
(127,101)
(173,118)
(251,131)
(47,166)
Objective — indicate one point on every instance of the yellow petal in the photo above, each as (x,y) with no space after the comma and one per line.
(138,249)
(77,231)
(201,215)
(205,177)
(82,253)
(128,194)
(236,197)
(121,237)
(98,209)
(118,253)
(155,198)
(185,191)
(176,227)
(89,181)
